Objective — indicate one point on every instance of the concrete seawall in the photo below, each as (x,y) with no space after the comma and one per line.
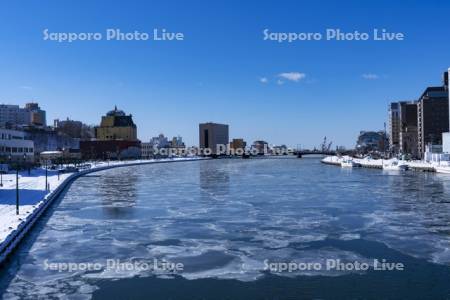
(16,236)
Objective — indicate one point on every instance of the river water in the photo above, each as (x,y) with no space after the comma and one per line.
(225,221)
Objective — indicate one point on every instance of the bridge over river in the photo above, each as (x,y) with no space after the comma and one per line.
(301,153)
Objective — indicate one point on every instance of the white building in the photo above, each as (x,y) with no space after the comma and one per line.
(14,146)
(158,142)
(13,114)
(146,150)
(31,114)
(446,135)
(446,142)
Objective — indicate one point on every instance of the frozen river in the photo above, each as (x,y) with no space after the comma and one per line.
(223,220)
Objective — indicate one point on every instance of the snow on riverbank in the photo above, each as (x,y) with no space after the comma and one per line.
(378,163)
(32,193)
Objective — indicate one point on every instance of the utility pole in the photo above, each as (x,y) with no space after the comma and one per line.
(17,189)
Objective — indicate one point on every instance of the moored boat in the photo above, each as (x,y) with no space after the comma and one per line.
(395,166)
(349,163)
(443,167)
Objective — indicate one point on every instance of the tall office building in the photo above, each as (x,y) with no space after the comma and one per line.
(211,135)
(432,116)
(408,128)
(394,127)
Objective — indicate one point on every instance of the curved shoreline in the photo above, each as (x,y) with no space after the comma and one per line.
(14,238)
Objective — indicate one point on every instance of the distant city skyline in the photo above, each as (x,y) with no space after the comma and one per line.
(224,71)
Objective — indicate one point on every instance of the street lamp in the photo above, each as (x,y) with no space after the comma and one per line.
(1,174)
(46,173)
(25,164)
(17,185)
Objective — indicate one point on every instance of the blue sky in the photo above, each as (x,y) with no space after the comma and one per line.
(215,73)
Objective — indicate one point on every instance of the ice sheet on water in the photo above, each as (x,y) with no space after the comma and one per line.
(350,236)
(222,222)
(58,289)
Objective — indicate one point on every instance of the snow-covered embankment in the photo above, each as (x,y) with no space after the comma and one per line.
(34,199)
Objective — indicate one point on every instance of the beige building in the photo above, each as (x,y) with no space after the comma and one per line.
(116,126)
(147,150)
(238,144)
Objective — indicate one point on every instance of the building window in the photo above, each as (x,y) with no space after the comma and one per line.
(206,138)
